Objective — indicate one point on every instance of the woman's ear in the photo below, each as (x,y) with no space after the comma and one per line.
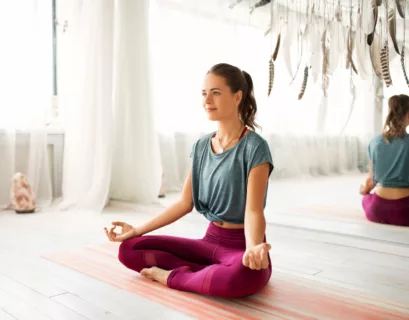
(238,97)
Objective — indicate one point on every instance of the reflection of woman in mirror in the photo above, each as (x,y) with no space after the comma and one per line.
(389,168)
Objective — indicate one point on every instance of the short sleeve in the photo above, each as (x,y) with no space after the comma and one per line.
(369,151)
(260,155)
(192,152)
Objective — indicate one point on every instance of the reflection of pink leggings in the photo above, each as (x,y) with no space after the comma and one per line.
(211,266)
(381,210)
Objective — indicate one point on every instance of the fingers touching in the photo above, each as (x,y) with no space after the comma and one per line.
(257,257)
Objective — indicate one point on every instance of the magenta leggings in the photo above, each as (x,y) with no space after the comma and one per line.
(211,266)
(385,211)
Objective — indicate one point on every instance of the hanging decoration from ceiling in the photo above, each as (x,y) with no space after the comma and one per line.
(402,53)
(304,84)
(271,64)
(385,50)
(350,63)
(259,4)
(325,41)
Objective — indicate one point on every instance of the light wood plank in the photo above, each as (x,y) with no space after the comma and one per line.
(16,269)
(49,307)
(367,281)
(119,302)
(6,316)
(85,308)
(18,309)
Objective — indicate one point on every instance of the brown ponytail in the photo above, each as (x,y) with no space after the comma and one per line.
(239,80)
(395,125)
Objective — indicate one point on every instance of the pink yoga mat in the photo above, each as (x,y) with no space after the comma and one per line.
(286,296)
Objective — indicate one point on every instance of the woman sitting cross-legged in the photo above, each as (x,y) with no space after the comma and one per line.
(227,184)
(389,168)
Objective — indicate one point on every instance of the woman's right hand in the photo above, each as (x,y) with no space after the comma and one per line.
(127,232)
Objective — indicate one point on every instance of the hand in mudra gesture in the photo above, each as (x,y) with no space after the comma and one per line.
(256,258)
(127,232)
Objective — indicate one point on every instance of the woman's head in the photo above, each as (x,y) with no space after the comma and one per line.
(228,93)
(398,117)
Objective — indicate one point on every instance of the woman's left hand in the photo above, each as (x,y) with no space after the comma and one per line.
(256,258)
(363,190)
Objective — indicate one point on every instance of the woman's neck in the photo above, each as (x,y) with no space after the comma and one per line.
(229,129)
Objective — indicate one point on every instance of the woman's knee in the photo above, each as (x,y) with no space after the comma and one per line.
(244,281)
(126,252)
(372,214)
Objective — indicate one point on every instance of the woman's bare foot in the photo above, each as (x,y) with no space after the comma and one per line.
(156,274)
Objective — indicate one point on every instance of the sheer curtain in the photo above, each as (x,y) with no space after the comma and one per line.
(307,137)
(111,151)
(85,93)
(25,100)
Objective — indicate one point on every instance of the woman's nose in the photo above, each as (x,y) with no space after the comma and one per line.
(208,100)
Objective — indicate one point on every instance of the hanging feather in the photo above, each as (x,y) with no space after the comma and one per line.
(304,38)
(379,2)
(399,6)
(360,45)
(353,66)
(374,7)
(259,4)
(349,51)
(262,3)
(359,20)
(392,28)
(337,44)
(304,84)
(274,57)
(325,62)
(352,106)
(286,44)
(271,76)
(350,48)
(314,61)
(234,3)
(338,12)
(385,65)
(374,53)
(313,15)
(402,61)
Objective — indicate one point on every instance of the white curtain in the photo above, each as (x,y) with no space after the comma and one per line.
(190,37)
(137,171)
(85,94)
(25,99)
(110,147)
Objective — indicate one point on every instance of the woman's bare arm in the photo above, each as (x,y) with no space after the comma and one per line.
(254,220)
(173,213)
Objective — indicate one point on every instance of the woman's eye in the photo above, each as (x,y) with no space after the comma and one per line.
(216,93)
(203,94)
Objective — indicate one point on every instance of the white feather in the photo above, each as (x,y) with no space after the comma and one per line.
(360,53)
(315,53)
(288,39)
(369,22)
(376,51)
(334,46)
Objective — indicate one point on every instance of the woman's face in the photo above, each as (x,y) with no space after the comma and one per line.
(219,102)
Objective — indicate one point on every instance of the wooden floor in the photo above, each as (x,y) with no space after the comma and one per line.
(34,288)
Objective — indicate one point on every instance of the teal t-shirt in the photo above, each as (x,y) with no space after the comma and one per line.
(390,161)
(219,181)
